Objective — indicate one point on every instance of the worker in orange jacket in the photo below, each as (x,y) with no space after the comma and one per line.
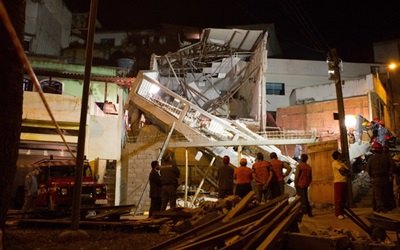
(243,177)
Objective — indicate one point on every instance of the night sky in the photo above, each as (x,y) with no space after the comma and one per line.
(305,28)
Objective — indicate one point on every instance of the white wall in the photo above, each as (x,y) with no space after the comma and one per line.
(301,73)
(104,136)
(324,92)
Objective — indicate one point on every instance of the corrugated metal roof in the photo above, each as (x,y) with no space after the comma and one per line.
(50,67)
(72,68)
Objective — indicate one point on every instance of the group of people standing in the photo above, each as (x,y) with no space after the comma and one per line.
(164,182)
(381,169)
(265,178)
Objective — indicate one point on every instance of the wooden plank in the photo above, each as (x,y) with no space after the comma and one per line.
(110,213)
(211,241)
(277,232)
(237,241)
(217,227)
(192,232)
(267,217)
(255,241)
(390,216)
(264,208)
(240,206)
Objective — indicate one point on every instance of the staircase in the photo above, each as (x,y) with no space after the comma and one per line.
(199,128)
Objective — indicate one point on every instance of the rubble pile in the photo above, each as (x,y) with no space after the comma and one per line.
(235,223)
(247,225)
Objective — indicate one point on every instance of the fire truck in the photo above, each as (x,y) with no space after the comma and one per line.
(56,183)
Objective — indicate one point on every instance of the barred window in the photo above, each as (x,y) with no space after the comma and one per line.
(52,86)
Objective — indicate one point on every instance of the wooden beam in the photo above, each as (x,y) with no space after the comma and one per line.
(257,239)
(271,238)
(240,206)
(192,232)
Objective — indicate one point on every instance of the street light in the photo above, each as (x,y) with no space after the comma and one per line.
(392,66)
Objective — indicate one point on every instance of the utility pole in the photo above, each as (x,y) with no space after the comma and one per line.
(334,74)
(76,205)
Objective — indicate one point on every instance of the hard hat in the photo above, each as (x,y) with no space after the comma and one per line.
(243,162)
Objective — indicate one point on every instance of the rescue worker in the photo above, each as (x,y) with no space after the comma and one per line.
(278,180)
(225,178)
(379,168)
(262,176)
(382,133)
(396,179)
(302,180)
(243,177)
(169,183)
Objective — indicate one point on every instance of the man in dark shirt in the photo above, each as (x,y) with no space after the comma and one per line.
(225,178)
(155,188)
(379,168)
(169,180)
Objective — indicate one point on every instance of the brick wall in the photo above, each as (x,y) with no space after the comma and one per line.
(319,116)
(139,166)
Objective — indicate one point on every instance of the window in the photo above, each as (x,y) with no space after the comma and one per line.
(274,88)
(51,86)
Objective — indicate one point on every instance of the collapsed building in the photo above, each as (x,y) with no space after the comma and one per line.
(200,103)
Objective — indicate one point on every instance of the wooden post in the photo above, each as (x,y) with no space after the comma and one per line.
(76,205)
(335,75)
